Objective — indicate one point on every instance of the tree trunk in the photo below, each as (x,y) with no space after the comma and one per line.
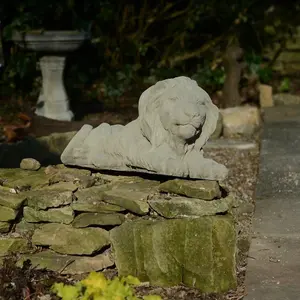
(233,69)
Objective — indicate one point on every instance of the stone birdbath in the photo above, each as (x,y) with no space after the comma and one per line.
(53,102)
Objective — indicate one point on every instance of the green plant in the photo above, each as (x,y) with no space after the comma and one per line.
(257,67)
(210,77)
(285,85)
(97,287)
(20,74)
(163,38)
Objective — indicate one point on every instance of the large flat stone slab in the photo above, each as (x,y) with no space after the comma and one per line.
(273,271)
(11,200)
(282,113)
(42,199)
(201,189)
(64,215)
(68,264)
(182,207)
(11,245)
(278,176)
(281,138)
(197,252)
(65,239)
(277,216)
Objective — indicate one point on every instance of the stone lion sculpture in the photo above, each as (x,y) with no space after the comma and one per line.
(176,118)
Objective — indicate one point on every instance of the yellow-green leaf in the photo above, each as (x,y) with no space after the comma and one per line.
(132,280)
(66,292)
(152,297)
(96,281)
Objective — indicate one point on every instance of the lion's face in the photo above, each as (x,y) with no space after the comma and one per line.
(175,111)
(184,122)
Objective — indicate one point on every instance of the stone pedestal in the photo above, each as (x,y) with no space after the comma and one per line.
(53,101)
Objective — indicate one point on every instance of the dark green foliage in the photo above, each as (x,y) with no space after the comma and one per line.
(259,68)
(139,42)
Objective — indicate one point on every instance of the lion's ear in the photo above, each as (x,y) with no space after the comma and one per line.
(209,126)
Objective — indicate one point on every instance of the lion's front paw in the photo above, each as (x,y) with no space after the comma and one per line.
(207,169)
(174,167)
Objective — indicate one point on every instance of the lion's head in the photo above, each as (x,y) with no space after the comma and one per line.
(177,110)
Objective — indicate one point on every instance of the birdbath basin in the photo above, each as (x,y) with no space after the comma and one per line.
(53,102)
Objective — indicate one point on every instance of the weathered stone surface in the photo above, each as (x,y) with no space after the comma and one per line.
(24,227)
(201,189)
(107,178)
(4,227)
(266,95)
(13,245)
(11,200)
(63,215)
(57,142)
(286,99)
(180,207)
(96,206)
(240,121)
(219,128)
(101,219)
(136,185)
(59,173)
(62,173)
(134,201)
(176,118)
(86,182)
(63,186)
(92,194)
(197,252)
(91,200)
(30,164)
(42,199)
(67,264)
(24,179)
(68,240)
(89,264)
(7,214)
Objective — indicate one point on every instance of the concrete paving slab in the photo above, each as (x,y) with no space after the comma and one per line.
(277,216)
(281,138)
(282,113)
(273,271)
(278,175)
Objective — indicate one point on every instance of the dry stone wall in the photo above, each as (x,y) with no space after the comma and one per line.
(73,221)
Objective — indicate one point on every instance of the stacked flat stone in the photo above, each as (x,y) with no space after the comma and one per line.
(167,233)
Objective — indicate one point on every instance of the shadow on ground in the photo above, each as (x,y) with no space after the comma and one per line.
(46,150)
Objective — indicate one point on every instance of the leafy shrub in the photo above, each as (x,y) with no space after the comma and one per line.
(97,287)
(285,85)
(150,40)
(257,67)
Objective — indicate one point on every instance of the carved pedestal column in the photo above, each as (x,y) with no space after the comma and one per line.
(53,101)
